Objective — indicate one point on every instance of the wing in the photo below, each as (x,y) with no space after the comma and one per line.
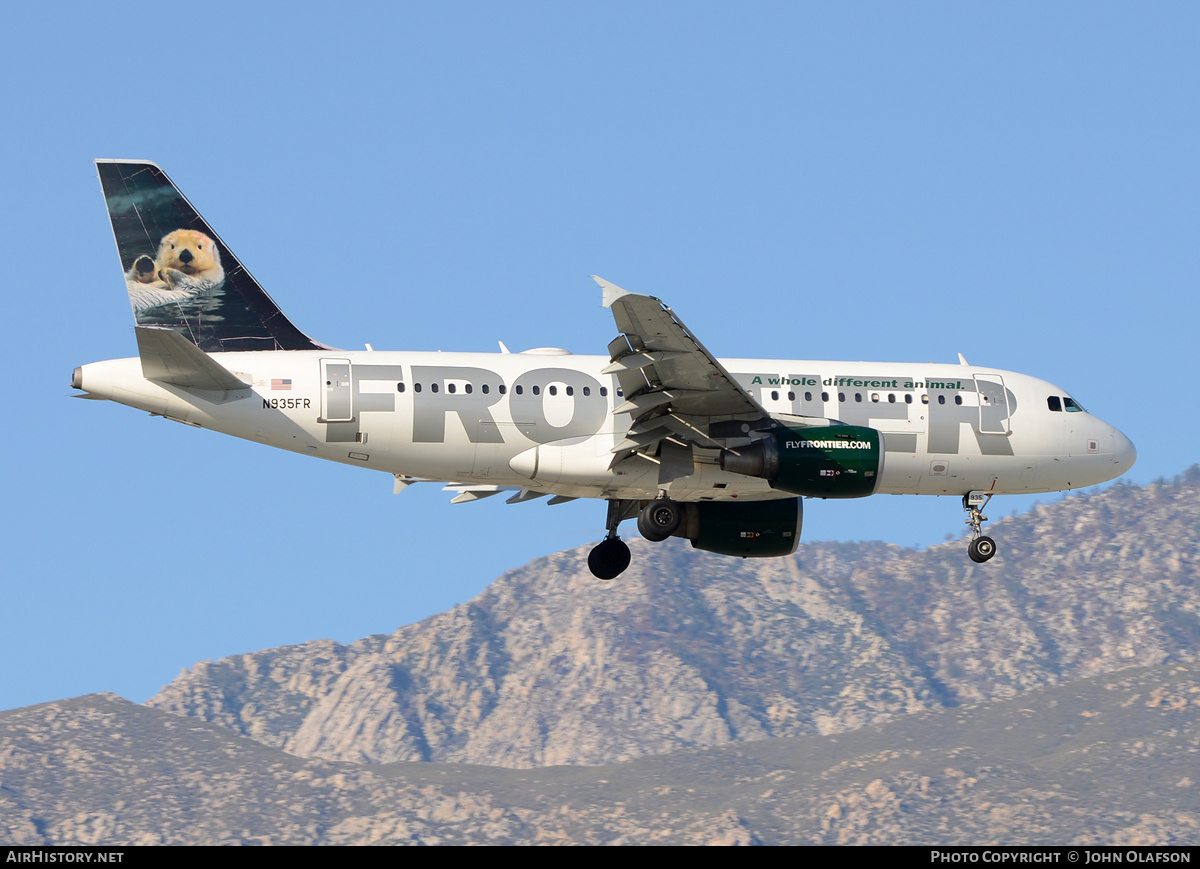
(676,392)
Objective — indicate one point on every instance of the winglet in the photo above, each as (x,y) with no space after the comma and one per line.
(611,291)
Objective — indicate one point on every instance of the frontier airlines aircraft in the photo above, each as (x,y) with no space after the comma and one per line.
(719,451)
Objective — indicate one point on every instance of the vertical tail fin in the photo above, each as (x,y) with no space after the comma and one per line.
(179,273)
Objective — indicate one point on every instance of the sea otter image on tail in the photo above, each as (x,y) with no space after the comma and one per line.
(187,263)
(188,259)
(178,272)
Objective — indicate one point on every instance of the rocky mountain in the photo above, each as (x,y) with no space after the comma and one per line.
(850,694)
(1109,759)
(551,667)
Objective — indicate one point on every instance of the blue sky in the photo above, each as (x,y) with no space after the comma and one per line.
(876,181)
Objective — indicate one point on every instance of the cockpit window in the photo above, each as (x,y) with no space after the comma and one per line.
(1070,406)
(1054,404)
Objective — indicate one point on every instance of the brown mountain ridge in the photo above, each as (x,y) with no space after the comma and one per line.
(1109,759)
(855,693)
(551,667)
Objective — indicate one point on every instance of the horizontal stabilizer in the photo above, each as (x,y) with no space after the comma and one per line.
(168,357)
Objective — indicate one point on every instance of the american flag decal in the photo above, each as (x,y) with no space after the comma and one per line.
(284,383)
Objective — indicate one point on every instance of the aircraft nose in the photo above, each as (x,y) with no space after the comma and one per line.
(1124,452)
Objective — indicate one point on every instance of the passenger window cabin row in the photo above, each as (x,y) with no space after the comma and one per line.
(875,397)
(469,388)
(1055,403)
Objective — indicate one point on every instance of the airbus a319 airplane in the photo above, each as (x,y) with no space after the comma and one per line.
(721,452)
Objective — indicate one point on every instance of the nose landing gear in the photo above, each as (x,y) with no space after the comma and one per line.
(981,548)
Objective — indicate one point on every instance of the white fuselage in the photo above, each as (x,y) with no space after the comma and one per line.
(543,420)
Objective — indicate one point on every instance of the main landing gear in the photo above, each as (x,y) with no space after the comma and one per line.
(609,558)
(981,548)
(657,521)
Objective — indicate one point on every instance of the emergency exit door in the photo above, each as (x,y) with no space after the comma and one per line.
(993,404)
(337,393)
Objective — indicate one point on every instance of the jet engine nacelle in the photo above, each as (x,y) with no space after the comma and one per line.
(837,461)
(751,529)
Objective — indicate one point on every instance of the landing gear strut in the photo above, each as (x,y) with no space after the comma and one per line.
(981,548)
(609,558)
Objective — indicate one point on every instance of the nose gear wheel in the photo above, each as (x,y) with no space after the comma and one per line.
(981,549)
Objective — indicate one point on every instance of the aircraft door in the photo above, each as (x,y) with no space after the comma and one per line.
(993,404)
(337,403)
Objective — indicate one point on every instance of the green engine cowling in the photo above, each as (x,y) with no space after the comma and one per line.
(750,529)
(837,461)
